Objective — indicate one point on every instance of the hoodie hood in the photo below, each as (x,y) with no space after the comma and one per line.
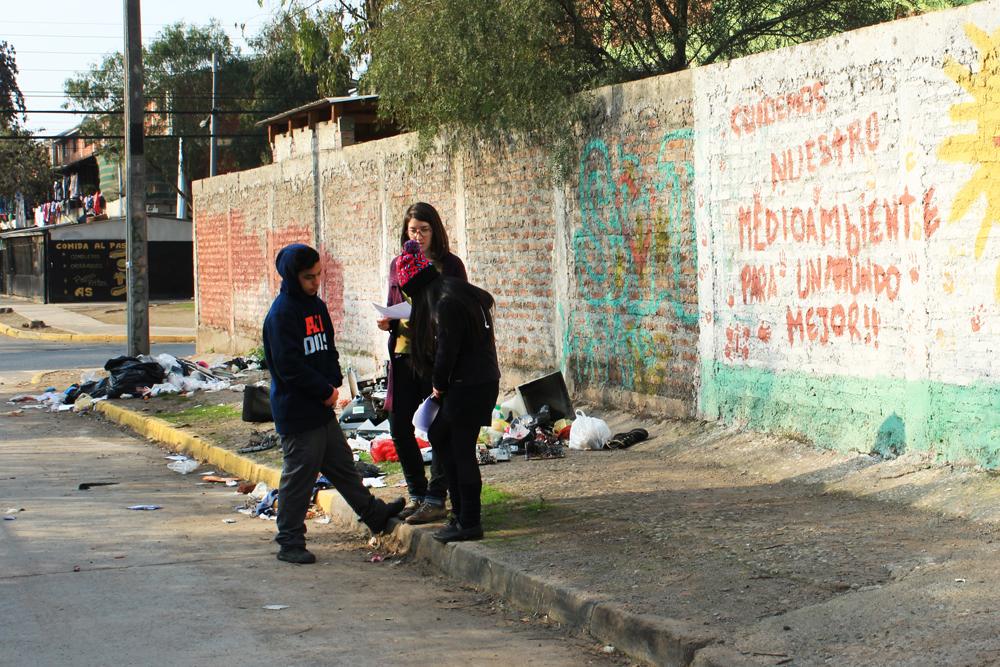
(285,263)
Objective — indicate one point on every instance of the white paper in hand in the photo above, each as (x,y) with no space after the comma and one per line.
(401,311)
(424,416)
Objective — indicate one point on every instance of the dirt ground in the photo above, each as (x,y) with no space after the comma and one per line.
(161,313)
(789,553)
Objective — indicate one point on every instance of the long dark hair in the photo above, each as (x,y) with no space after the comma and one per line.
(476,305)
(439,237)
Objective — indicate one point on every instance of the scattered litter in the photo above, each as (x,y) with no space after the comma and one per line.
(184,466)
(9,518)
(147,508)
(588,432)
(228,481)
(275,607)
(76,568)
(366,469)
(14,413)
(267,506)
(609,649)
(176,457)
(260,491)
(384,449)
(960,581)
(229,521)
(86,486)
(260,441)
(13,510)
(323,520)
(377,558)
(374,482)
(626,440)
(245,487)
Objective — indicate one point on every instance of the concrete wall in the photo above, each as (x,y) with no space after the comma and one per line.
(832,272)
(847,192)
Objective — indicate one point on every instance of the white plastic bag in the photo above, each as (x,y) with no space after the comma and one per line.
(588,432)
(184,467)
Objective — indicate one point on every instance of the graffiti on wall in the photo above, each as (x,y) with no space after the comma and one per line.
(635,239)
(821,250)
(982,148)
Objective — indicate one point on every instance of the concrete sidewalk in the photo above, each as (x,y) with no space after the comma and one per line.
(79,327)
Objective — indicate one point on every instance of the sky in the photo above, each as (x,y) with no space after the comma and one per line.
(56,38)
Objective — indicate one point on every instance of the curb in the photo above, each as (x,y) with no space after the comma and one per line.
(647,638)
(11,332)
(162,431)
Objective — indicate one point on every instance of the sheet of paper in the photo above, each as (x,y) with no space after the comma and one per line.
(401,311)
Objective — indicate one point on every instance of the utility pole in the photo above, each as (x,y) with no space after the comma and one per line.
(137,266)
(181,188)
(213,148)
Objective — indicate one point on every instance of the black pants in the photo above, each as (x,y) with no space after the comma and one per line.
(325,450)
(464,410)
(408,392)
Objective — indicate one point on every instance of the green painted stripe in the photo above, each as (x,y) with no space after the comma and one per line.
(959,423)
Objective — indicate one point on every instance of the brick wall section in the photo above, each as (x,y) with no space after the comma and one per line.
(510,232)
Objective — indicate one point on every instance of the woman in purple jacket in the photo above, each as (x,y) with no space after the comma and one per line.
(407,389)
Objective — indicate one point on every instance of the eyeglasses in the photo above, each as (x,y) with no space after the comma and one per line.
(422,231)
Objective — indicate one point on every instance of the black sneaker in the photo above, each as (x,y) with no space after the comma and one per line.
(454,532)
(389,510)
(297,555)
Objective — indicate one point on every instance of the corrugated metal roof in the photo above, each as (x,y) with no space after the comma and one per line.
(318,104)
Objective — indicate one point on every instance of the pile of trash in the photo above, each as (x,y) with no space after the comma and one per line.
(142,377)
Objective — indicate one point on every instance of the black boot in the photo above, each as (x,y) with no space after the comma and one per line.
(296,555)
(454,532)
(380,522)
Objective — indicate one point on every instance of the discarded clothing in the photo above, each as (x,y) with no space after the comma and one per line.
(260,441)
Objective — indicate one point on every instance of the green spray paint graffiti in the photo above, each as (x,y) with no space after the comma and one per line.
(636,231)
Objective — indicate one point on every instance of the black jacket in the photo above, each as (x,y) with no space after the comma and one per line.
(300,353)
(462,358)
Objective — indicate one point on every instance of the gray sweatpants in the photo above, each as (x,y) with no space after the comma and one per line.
(325,450)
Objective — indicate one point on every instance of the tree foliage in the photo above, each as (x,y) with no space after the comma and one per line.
(25,162)
(485,69)
(178,77)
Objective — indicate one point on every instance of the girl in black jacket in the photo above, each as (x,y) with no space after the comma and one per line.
(454,345)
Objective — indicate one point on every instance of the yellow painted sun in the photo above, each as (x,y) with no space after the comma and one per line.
(982,148)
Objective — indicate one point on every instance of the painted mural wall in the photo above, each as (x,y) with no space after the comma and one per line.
(849,193)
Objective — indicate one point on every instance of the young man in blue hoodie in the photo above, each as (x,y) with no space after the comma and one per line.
(305,373)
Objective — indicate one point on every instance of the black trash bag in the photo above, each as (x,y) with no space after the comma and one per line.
(94,389)
(129,375)
(366,469)
(257,404)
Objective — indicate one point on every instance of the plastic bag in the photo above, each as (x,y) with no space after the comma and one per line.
(184,467)
(384,449)
(588,432)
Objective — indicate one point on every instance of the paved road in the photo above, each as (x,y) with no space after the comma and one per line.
(85,581)
(26,355)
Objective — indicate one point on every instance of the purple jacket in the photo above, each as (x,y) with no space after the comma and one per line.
(449,265)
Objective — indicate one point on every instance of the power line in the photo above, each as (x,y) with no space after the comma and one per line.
(14,137)
(115,37)
(152,112)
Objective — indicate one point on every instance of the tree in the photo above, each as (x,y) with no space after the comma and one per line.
(486,69)
(11,99)
(24,163)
